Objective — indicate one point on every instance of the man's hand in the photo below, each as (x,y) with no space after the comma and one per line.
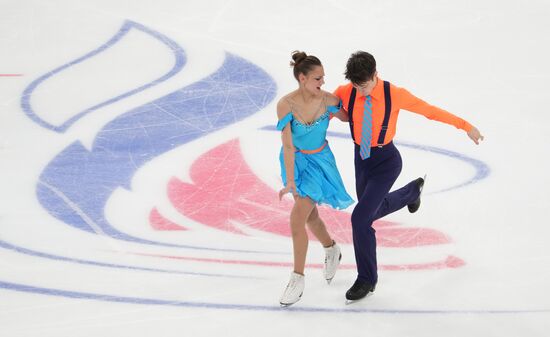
(475,135)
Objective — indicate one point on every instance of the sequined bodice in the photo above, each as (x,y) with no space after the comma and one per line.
(308,136)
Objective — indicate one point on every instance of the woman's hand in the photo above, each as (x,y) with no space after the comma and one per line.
(475,135)
(289,188)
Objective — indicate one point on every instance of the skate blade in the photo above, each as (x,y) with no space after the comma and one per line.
(421,189)
(285,305)
(348,302)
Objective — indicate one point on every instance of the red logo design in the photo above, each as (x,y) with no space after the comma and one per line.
(227,195)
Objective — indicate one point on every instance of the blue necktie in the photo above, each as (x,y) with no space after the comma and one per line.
(366,129)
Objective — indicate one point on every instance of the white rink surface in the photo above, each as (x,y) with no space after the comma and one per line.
(486,61)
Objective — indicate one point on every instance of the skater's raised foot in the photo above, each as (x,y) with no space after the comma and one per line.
(358,290)
(333,256)
(415,205)
(293,291)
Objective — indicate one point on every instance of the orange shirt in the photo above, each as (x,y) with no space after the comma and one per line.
(400,99)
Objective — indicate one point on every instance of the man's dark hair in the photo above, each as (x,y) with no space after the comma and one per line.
(360,68)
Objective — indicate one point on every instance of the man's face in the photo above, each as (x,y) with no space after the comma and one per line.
(365,88)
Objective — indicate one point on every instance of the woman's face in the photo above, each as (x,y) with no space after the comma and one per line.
(314,80)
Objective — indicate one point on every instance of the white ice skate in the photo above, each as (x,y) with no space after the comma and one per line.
(293,291)
(332,261)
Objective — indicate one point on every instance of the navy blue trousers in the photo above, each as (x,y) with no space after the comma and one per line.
(374,178)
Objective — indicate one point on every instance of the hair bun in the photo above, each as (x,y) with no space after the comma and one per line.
(297,57)
(303,63)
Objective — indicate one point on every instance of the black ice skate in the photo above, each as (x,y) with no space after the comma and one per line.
(358,290)
(415,205)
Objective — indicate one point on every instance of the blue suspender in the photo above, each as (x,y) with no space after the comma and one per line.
(351,103)
(387,112)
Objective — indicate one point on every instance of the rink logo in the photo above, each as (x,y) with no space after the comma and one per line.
(75,185)
(224,194)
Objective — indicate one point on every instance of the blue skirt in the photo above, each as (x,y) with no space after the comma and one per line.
(317,177)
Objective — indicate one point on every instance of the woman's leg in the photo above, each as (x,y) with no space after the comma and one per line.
(298,217)
(318,228)
(333,254)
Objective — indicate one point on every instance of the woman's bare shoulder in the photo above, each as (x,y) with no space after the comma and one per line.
(283,106)
(331,98)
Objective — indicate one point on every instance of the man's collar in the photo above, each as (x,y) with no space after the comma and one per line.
(378,90)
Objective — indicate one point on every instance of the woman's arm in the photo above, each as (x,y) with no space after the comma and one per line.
(283,109)
(335,101)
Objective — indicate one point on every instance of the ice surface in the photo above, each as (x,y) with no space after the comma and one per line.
(139,169)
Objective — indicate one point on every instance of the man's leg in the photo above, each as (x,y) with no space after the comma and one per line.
(398,199)
(364,238)
(374,178)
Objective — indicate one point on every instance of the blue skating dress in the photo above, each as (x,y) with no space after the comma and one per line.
(315,171)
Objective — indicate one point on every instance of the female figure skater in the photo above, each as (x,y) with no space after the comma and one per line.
(308,168)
